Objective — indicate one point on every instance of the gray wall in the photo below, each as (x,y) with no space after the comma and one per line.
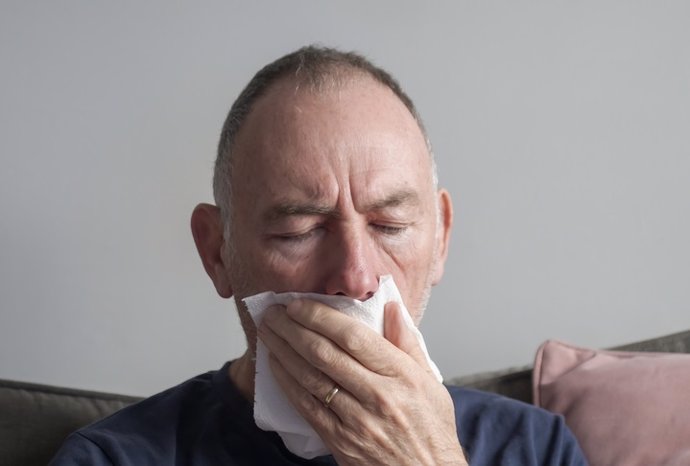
(561,130)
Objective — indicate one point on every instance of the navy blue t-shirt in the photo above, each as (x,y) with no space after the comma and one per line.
(206,421)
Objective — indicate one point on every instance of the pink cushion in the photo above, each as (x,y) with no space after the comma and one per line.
(624,408)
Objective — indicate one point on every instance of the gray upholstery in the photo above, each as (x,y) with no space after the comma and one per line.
(35,419)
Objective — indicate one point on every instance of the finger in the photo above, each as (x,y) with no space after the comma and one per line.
(310,356)
(338,425)
(355,338)
(398,332)
(312,406)
(303,383)
(309,378)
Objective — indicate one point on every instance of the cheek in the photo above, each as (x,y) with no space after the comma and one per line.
(412,268)
(272,269)
(411,252)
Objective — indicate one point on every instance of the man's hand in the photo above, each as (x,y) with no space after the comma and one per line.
(389,409)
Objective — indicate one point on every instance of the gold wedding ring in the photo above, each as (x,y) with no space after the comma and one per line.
(329,396)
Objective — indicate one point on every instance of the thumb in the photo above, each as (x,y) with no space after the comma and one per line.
(396,330)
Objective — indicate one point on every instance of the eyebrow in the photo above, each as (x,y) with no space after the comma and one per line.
(395,199)
(289,209)
(293,209)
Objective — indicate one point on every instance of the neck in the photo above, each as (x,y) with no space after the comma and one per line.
(241,372)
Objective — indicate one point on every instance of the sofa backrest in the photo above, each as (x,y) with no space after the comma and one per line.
(35,419)
(516,382)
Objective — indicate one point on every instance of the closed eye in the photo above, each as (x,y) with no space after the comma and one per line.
(299,237)
(390,230)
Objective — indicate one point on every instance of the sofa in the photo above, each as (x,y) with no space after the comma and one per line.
(517,382)
(35,418)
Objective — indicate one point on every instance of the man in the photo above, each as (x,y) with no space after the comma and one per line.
(324,183)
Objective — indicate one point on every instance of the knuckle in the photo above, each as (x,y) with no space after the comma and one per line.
(353,341)
(313,380)
(322,354)
(385,406)
(393,410)
(308,405)
(352,440)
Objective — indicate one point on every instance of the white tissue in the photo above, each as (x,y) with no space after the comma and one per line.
(272,410)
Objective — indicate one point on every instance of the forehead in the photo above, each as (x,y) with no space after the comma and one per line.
(346,132)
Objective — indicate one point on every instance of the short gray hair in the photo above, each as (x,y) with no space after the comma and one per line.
(315,67)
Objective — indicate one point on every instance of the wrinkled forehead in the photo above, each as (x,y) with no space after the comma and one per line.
(353,143)
(350,109)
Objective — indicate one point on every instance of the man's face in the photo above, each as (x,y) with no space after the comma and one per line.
(331,191)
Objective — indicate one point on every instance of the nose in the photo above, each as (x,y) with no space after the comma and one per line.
(351,267)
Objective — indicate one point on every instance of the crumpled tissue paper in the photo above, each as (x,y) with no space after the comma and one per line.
(272,409)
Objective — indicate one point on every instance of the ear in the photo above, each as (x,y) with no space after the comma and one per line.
(445,206)
(207,229)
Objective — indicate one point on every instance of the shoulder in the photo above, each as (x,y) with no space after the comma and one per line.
(498,430)
(472,405)
(79,450)
(160,411)
(145,432)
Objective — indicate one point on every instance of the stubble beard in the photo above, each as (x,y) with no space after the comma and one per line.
(241,286)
